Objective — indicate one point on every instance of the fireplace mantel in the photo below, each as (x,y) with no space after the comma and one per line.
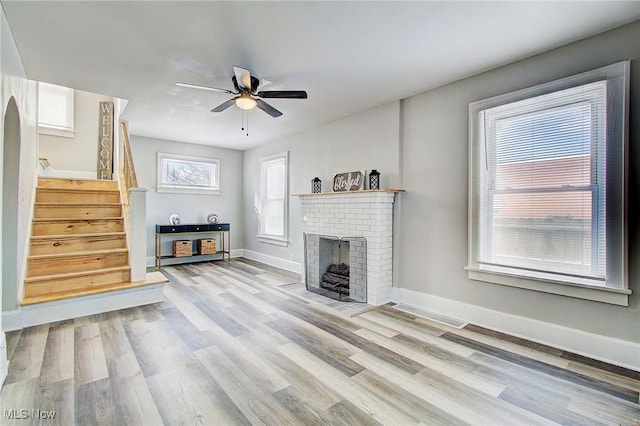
(362,191)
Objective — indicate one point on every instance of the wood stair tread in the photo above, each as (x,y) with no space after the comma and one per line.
(84,292)
(72,219)
(73,204)
(72,182)
(73,179)
(67,275)
(75,189)
(77,254)
(79,236)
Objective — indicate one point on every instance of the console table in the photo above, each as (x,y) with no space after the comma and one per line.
(177,232)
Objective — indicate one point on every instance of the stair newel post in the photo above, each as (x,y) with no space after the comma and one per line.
(138,233)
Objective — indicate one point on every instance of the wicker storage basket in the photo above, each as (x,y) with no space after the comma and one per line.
(206,246)
(182,248)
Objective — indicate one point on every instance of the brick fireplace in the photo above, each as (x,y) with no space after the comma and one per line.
(363,214)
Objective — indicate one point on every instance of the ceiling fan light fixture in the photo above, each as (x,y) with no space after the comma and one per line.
(245,102)
(246,96)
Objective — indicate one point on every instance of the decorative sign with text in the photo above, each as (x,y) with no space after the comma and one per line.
(350,181)
(105,141)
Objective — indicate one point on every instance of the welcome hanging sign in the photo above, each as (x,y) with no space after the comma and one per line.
(350,181)
(105,141)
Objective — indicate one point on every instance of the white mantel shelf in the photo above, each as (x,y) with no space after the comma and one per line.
(362,191)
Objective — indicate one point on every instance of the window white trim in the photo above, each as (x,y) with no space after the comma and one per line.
(614,288)
(211,188)
(61,100)
(609,295)
(283,242)
(281,239)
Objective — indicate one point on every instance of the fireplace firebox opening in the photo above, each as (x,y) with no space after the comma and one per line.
(336,267)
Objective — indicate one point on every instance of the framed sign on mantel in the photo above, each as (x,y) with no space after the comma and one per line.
(349,181)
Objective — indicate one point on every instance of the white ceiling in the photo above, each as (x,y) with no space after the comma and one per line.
(348,56)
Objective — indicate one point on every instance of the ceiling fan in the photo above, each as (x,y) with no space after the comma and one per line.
(247,94)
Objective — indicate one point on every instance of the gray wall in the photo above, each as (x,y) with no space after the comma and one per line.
(365,141)
(433,236)
(192,208)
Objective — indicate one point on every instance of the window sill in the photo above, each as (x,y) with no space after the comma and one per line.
(174,190)
(57,131)
(614,296)
(283,242)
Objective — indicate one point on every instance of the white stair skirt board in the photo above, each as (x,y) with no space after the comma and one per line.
(596,346)
(42,313)
(442,319)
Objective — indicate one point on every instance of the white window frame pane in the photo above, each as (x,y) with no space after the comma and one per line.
(163,181)
(614,287)
(56,110)
(594,98)
(270,232)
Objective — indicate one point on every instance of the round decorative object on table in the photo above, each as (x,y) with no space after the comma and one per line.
(174,219)
(212,218)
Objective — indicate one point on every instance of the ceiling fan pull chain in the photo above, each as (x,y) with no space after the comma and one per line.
(245,122)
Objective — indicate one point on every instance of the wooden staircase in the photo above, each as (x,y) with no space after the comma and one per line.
(78,243)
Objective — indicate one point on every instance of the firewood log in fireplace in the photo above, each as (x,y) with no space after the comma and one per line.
(336,278)
(341,269)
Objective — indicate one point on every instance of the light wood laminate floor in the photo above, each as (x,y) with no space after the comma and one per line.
(229,346)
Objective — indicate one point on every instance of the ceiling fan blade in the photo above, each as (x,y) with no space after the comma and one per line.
(283,94)
(268,108)
(198,86)
(223,106)
(243,77)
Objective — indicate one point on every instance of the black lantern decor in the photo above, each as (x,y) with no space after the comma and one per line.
(316,185)
(374,179)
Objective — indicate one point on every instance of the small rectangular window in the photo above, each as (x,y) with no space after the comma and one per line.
(55,110)
(179,173)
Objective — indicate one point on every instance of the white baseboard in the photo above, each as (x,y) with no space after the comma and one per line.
(288,265)
(614,351)
(42,313)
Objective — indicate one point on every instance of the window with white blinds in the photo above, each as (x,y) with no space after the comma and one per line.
(547,181)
